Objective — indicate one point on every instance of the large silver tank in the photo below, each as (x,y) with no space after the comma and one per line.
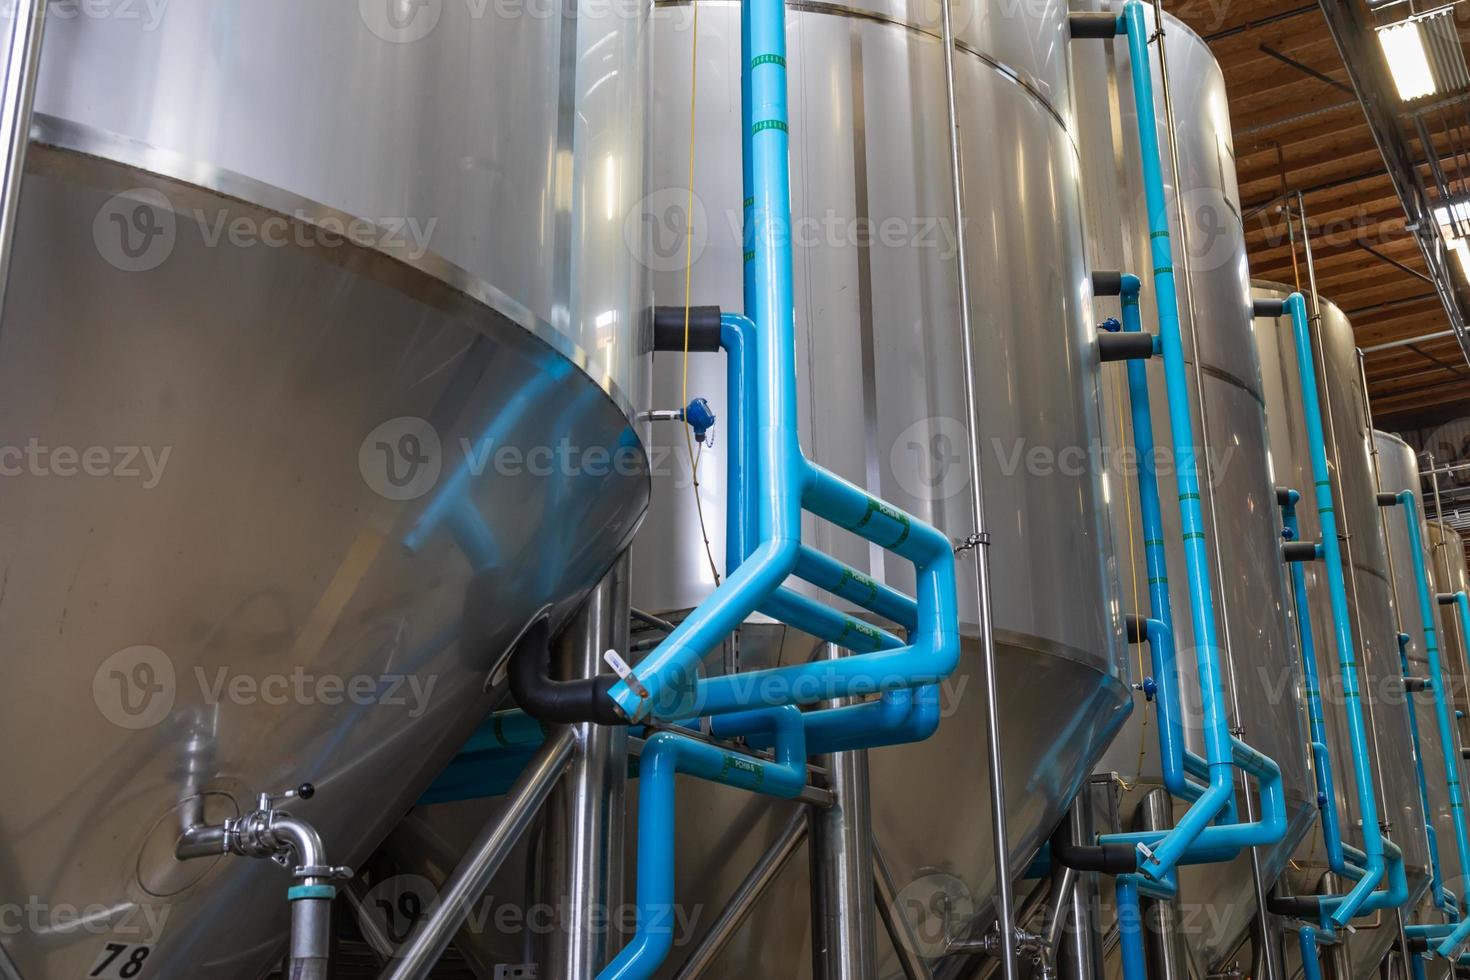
(1375,629)
(1398,469)
(320,582)
(1449,575)
(882,396)
(1243,526)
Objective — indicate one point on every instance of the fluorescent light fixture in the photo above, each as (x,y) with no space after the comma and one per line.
(1403,46)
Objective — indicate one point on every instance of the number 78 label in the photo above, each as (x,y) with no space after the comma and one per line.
(120,961)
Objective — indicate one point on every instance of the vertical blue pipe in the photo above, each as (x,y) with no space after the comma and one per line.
(1316,719)
(1449,744)
(1436,871)
(1337,593)
(1311,963)
(1130,930)
(1174,755)
(737,339)
(1218,742)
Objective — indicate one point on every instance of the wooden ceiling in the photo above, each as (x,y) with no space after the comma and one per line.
(1299,127)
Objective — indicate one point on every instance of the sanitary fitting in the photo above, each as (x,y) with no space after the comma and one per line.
(270,833)
(1030,945)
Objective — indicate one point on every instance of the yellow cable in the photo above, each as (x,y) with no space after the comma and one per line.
(689,288)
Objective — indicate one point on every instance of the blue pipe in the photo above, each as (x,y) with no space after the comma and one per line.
(664,755)
(1176,761)
(666,683)
(1222,752)
(1436,880)
(1130,929)
(1449,744)
(1311,964)
(897,714)
(1316,719)
(1374,849)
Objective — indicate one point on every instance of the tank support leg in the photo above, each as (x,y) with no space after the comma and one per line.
(583,873)
(843,921)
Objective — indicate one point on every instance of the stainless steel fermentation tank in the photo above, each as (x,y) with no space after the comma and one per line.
(1447,571)
(252,234)
(1375,628)
(1260,665)
(882,404)
(1398,469)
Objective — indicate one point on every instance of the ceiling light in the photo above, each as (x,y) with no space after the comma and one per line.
(1404,48)
(1424,55)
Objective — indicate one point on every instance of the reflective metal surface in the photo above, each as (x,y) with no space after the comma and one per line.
(478,129)
(882,390)
(255,536)
(1447,573)
(1398,469)
(1375,628)
(1252,596)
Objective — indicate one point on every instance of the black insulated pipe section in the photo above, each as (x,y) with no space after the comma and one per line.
(704,328)
(1108,859)
(1294,906)
(1299,551)
(1269,307)
(552,701)
(1283,496)
(1137,627)
(1093,27)
(1388,500)
(1445,598)
(1125,346)
(1465,754)
(1416,685)
(1103,283)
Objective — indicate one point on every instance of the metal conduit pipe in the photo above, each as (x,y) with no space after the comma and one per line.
(905,945)
(980,540)
(23,42)
(426,944)
(755,885)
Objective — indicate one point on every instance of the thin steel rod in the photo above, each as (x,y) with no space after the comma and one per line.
(905,945)
(755,885)
(1408,341)
(483,858)
(23,61)
(1005,894)
(8,969)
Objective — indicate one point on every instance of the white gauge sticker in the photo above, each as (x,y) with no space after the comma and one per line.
(121,961)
